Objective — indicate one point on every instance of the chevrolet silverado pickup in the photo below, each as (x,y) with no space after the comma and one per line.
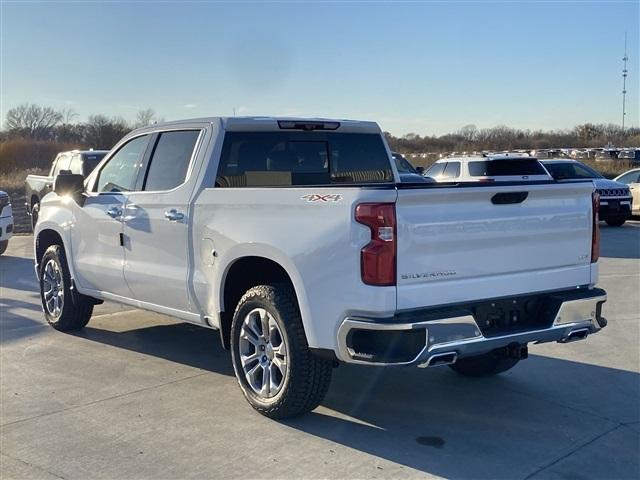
(37,186)
(297,241)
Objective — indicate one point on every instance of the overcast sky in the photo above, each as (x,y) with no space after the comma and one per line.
(421,67)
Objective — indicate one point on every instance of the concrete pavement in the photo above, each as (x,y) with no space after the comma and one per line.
(140,395)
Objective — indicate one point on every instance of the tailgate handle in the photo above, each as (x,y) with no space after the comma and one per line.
(507,198)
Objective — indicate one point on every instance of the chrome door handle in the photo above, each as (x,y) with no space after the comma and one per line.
(114,212)
(173,215)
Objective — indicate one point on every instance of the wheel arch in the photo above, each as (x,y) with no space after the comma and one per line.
(45,237)
(245,272)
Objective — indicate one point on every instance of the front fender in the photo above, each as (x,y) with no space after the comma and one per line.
(55,216)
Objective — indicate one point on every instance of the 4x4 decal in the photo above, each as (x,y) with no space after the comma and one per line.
(316,197)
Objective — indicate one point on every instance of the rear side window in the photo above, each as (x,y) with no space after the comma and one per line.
(499,168)
(170,160)
(259,159)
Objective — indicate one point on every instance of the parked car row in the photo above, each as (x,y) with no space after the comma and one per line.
(6,221)
(619,198)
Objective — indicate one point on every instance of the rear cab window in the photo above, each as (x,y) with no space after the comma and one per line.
(296,158)
(90,161)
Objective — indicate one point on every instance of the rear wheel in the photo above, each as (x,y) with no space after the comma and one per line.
(64,308)
(486,365)
(616,223)
(3,246)
(278,374)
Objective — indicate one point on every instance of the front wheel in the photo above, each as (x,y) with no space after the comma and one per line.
(35,211)
(278,374)
(485,365)
(3,246)
(64,309)
(616,223)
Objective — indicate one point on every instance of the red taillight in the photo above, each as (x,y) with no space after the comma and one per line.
(378,257)
(595,231)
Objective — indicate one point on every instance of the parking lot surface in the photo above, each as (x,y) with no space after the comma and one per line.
(140,395)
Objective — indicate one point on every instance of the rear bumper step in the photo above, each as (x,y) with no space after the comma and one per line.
(442,341)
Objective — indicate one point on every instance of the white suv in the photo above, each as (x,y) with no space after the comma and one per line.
(490,168)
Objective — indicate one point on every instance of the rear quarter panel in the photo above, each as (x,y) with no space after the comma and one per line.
(317,242)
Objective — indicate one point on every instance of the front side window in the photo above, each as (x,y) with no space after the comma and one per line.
(452,170)
(170,160)
(119,174)
(436,170)
(253,159)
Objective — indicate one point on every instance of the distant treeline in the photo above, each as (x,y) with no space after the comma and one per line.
(471,139)
(32,135)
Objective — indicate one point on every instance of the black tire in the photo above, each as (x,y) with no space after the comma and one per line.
(308,376)
(3,246)
(485,365)
(76,308)
(616,223)
(35,211)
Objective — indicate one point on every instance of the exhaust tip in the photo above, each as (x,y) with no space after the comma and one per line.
(576,335)
(442,359)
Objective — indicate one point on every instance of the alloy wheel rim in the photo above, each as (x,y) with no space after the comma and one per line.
(53,288)
(263,353)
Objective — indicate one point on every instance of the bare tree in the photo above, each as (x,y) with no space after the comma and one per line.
(145,117)
(32,120)
(68,115)
(102,132)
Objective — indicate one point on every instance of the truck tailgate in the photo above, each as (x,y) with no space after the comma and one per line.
(458,244)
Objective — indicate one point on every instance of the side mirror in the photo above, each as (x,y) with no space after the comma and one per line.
(420,170)
(71,184)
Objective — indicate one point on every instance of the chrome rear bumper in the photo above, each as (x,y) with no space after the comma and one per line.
(455,337)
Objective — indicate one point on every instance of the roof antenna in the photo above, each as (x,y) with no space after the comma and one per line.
(624,80)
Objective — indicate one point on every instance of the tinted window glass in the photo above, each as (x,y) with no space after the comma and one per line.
(301,158)
(435,170)
(497,168)
(121,171)
(170,160)
(631,177)
(570,170)
(91,161)
(452,170)
(403,165)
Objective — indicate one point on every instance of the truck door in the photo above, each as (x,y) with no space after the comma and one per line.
(156,228)
(98,252)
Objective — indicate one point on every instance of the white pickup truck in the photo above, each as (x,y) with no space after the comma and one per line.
(297,240)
